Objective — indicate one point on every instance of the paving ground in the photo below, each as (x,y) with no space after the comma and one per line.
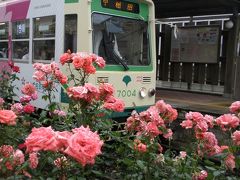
(205,103)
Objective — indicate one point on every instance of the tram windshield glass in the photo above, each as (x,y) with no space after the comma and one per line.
(121,40)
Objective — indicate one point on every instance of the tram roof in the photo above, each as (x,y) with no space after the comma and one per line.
(180,8)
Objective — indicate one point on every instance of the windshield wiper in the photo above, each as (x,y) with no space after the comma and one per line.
(120,60)
(112,52)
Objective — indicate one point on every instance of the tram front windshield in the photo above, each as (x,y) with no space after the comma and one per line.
(121,40)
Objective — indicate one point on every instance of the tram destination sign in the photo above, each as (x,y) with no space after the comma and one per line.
(121,5)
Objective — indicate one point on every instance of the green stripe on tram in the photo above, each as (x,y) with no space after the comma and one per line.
(71,1)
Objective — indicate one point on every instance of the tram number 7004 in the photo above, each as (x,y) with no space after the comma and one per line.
(126,93)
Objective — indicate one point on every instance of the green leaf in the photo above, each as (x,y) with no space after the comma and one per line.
(127,161)
(207,162)
(140,164)
(45,97)
(210,168)
(217,173)
(99,173)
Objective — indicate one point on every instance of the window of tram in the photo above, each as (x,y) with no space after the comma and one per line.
(121,40)
(44,38)
(20,40)
(70,40)
(3,40)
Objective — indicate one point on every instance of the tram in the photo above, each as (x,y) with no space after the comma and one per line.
(122,32)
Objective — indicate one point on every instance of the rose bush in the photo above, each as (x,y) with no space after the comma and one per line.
(83,142)
(8,75)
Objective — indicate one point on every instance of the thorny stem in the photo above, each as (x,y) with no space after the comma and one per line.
(72,75)
(49,96)
(82,81)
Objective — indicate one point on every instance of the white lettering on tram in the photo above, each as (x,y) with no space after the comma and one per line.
(42,6)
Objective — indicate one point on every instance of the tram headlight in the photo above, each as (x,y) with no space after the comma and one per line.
(143,92)
(151,92)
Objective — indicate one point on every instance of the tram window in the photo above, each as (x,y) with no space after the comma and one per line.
(70,38)
(3,31)
(3,49)
(120,40)
(20,40)
(44,38)
(44,27)
(3,40)
(43,49)
(20,50)
(20,29)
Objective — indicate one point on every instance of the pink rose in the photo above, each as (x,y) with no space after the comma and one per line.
(29,109)
(141,147)
(78,92)
(54,66)
(62,138)
(209,139)
(170,114)
(209,144)
(161,105)
(230,162)
(65,58)
(46,68)
(8,117)
(63,79)
(235,107)
(100,62)
(236,137)
(194,116)
(43,138)
(168,134)
(201,126)
(18,157)
(227,121)
(11,63)
(106,89)
(16,69)
(187,124)
(151,129)
(25,99)
(183,154)
(210,120)
(152,114)
(91,88)
(78,62)
(60,76)
(59,113)
(84,145)
(132,122)
(89,69)
(39,76)
(37,66)
(28,89)
(224,148)
(33,160)
(93,92)
(200,175)
(1,101)
(6,150)
(47,84)
(17,108)
(115,105)
(34,96)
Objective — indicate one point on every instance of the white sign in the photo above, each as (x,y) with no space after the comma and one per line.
(199,44)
